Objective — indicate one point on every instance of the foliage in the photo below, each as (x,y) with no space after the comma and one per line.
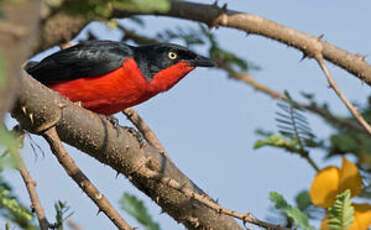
(299,218)
(12,209)
(136,208)
(302,200)
(341,213)
(103,9)
(143,5)
(346,140)
(62,213)
(295,132)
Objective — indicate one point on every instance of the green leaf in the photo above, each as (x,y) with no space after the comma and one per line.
(341,213)
(302,200)
(136,208)
(61,209)
(277,141)
(12,210)
(299,218)
(144,6)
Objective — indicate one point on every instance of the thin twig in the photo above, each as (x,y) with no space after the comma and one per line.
(146,131)
(245,77)
(30,184)
(82,180)
(205,200)
(31,189)
(319,58)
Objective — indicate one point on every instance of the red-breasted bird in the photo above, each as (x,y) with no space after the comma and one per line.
(108,77)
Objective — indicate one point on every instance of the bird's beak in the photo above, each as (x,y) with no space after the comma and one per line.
(202,61)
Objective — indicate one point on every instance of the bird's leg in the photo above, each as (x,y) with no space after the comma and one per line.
(114,122)
(136,134)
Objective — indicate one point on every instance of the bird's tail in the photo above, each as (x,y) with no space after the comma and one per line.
(28,67)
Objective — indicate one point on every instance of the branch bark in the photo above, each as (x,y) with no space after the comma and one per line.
(214,16)
(39,108)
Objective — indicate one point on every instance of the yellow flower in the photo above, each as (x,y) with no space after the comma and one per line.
(331,181)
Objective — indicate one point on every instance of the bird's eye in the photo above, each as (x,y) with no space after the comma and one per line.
(172,55)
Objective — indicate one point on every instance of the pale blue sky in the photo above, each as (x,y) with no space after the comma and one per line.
(207,121)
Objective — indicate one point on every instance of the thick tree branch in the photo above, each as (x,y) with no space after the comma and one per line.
(213,15)
(82,180)
(39,108)
(17,32)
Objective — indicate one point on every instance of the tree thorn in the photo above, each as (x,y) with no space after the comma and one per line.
(31,118)
(24,110)
(303,57)
(224,7)
(99,211)
(319,38)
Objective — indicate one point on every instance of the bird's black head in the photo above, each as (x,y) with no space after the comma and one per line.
(152,59)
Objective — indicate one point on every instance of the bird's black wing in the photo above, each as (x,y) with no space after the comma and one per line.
(86,59)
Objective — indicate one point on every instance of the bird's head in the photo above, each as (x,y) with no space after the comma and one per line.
(163,65)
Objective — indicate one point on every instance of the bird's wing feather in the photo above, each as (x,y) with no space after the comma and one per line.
(86,59)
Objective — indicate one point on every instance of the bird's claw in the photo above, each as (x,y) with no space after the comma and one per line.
(136,134)
(114,122)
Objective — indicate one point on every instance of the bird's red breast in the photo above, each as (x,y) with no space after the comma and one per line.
(121,88)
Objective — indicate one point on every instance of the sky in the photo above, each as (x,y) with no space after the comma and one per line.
(207,122)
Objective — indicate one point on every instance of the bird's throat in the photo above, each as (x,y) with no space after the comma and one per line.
(167,78)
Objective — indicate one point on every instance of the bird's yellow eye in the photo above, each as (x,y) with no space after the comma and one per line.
(172,55)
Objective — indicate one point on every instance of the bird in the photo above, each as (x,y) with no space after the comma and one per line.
(107,77)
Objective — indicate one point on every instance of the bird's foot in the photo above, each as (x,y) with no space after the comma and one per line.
(114,122)
(136,134)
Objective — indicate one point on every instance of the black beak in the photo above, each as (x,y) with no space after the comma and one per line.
(202,61)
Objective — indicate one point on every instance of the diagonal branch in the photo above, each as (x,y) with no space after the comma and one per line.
(31,189)
(206,201)
(82,180)
(334,86)
(212,15)
(124,153)
(248,79)
(146,131)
